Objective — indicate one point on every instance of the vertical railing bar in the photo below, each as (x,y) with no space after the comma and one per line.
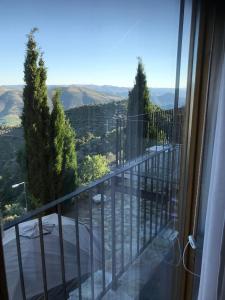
(171,182)
(117,141)
(163,127)
(129,124)
(167,128)
(124,144)
(172,127)
(121,129)
(62,261)
(167,185)
(78,247)
(91,246)
(151,200)
(153,125)
(160,126)
(119,149)
(103,239)
(20,261)
(120,141)
(162,190)
(169,122)
(138,210)
(44,277)
(157,193)
(113,232)
(145,189)
(157,132)
(152,173)
(148,188)
(131,211)
(122,224)
(3,278)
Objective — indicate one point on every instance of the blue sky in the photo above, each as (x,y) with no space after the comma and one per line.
(92,41)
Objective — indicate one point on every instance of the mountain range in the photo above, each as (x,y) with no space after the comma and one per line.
(11,102)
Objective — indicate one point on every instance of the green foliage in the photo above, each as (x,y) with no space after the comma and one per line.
(156,136)
(96,119)
(70,176)
(21,160)
(94,167)
(57,133)
(51,163)
(63,156)
(12,211)
(138,115)
(35,121)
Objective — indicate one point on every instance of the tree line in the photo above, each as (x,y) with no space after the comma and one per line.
(50,149)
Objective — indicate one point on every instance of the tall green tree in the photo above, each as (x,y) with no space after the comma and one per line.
(35,121)
(63,153)
(138,114)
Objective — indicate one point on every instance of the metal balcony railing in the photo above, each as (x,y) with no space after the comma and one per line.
(137,201)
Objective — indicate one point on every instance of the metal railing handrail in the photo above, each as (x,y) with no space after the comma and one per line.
(132,197)
(82,189)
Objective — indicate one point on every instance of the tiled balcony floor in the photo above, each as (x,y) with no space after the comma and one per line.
(134,283)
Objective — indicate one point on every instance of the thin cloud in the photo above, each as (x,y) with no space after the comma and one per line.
(126,34)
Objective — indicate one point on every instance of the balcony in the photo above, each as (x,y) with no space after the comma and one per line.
(113,225)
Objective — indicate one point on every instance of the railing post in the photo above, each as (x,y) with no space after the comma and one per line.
(138,208)
(123,140)
(103,237)
(114,283)
(91,244)
(43,263)
(78,247)
(117,141)
(122,224)
(131,212)
(120,142)
(62,260)
(20,262)
(3,281)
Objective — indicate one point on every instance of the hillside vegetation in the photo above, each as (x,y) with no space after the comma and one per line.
(11,102)
(93,137)
(78,95)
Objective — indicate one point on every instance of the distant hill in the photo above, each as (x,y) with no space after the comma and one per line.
(10,106)
(109,89)
(163,97)
(11,103)
(78,95)
(75,96)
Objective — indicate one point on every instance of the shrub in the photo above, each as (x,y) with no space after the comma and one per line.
(93,167)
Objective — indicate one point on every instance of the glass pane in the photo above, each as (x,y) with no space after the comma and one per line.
(91,147)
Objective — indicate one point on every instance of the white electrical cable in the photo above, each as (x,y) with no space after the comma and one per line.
(175,264)
(184,265)
(171,263)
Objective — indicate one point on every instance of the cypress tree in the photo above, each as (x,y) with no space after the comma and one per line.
(44,124)
(35,121)
(50,155)
(70,176)
(139,108)
(63,154)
